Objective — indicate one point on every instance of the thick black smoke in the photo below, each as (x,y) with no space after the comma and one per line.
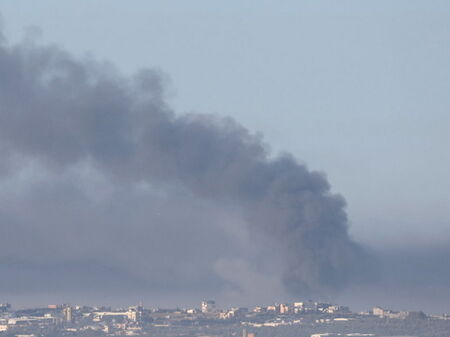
(62,113)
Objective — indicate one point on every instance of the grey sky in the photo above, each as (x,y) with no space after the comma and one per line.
(358,90)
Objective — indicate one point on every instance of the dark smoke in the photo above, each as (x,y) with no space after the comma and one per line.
(61,113)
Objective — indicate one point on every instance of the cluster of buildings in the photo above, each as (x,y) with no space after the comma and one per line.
(383,313)
(137,320)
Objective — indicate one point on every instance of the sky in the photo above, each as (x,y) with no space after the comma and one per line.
(356,90)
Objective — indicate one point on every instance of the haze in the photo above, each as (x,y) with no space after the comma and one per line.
(356,90)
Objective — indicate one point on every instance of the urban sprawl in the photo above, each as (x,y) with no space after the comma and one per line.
(309,319)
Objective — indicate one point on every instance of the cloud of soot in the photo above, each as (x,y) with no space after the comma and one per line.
(62,111)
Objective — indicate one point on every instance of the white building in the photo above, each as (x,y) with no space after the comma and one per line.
(208,306)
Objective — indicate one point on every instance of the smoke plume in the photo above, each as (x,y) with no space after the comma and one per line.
(63,117)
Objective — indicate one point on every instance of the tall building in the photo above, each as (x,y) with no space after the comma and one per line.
(208,306)
(67,314)
(283,309)
(4,307)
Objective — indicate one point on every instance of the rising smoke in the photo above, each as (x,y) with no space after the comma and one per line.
(59,114)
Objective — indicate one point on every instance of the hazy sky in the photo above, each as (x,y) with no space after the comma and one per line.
(358,90)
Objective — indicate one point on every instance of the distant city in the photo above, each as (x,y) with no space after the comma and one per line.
(303,318)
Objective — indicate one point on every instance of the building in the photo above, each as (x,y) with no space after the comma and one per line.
(208,306)
(271,308)
(377,311)
(135,314)
(67,314)
(283,309)
(4,307)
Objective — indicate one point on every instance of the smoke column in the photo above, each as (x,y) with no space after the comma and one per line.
(61,111)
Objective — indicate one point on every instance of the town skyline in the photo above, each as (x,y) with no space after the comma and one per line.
(309,318)
(249,153)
